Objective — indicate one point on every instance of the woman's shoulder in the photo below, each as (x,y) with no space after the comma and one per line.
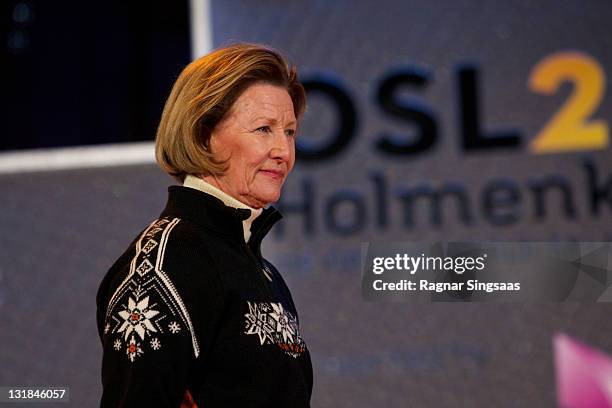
(174,247)
(166,266)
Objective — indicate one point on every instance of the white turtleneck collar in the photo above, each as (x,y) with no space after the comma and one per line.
(199,184)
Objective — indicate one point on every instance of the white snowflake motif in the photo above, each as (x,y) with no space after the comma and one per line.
(274,325)
(136,317)
(133,349)
(155,344)
(257,322)
(106,328)
(283,325)
(174,327)
(117,344)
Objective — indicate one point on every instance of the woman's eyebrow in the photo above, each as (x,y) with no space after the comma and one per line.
(273,120)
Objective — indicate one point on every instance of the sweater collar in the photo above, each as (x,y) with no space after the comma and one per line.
(201,185)
(211,213)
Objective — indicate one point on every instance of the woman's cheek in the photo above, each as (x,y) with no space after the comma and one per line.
(291,162)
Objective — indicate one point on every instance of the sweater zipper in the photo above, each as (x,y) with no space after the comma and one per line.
(260,268)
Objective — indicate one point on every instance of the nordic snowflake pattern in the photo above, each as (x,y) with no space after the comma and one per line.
(174,327)
(147,300)
(136,317)
(133,349)
(149,246)
(274,325)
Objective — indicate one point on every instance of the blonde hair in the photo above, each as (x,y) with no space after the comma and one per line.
(204,93)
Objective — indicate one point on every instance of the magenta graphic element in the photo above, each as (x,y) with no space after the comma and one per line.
(584,374)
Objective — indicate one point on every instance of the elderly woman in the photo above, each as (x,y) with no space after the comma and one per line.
(192,313)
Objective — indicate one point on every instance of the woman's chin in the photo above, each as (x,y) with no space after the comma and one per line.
(267,197)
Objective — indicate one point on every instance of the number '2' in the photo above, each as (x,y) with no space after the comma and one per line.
(569,129)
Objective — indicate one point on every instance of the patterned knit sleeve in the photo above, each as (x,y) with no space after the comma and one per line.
(148,319)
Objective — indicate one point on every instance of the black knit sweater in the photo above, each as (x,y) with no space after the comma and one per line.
(191,306)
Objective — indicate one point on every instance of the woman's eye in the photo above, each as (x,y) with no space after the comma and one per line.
(290,132)
(263,129)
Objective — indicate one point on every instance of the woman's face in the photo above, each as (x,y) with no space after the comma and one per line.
(258,137)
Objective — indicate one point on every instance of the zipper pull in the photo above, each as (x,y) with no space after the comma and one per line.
(267,272)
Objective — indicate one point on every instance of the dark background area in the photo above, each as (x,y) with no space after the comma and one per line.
(78,73)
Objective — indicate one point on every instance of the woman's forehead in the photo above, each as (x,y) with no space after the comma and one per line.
(265,98)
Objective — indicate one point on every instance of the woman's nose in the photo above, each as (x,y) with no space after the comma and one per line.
(281,148)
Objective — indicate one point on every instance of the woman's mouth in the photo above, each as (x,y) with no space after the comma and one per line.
(275,174)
